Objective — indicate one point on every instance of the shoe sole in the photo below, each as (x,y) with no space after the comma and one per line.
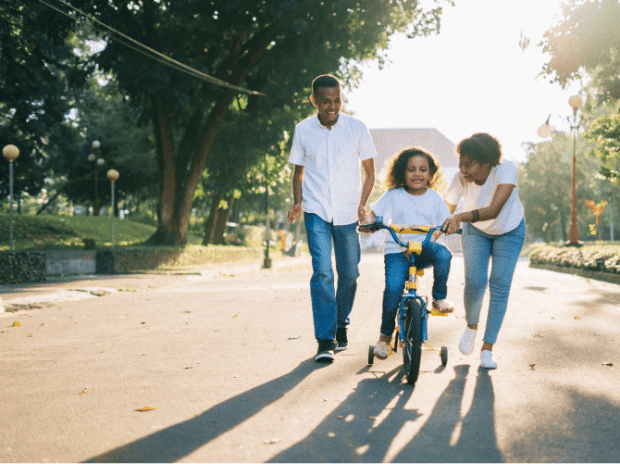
(341,348)
(324,358)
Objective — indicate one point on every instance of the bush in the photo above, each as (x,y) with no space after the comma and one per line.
(596,258)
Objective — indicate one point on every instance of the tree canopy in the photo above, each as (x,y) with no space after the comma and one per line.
(36,67)
(274,48)
(587,38)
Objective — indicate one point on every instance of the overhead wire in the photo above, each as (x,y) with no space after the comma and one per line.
(153,54)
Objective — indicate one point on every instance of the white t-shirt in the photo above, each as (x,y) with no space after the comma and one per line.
(332,184)
(479,196)
(396,206)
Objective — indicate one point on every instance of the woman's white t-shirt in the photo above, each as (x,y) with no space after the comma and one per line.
(480,196)
(396,206)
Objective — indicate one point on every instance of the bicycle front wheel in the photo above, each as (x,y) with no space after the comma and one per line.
(412,351)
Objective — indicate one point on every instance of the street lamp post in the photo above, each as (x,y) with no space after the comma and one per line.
(10,152)
(544,131)
(573,236)
(113,177)
(96,158)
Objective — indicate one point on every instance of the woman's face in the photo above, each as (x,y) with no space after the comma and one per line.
(473,171)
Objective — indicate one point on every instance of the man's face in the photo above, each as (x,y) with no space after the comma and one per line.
(327,101)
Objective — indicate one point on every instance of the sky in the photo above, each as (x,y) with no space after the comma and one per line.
(471,77)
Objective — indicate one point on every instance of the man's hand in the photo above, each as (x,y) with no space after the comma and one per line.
(361,213)
(294,212)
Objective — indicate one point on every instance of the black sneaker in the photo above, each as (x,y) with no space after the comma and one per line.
(325,353)
(341,339)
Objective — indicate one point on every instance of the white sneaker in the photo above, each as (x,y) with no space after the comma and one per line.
(443,306)
(468,340)
(487,360)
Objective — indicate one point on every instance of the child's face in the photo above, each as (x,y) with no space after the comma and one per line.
(417,175)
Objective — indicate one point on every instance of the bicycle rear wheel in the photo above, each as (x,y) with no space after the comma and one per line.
(412,351)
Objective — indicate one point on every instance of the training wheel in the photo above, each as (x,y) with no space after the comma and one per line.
(371,354)
(444,355)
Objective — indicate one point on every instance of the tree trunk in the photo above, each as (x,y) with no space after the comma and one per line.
(176,196)
(167,185)
(221,219)
(210,224)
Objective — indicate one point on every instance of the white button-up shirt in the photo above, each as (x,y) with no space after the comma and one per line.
(332,184)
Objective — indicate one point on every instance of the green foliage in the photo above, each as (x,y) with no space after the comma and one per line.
(36,66)
(587,38)
(545,187)
(604,133)
(57,232)
(597,257)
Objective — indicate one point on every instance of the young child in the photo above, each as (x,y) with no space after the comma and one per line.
(410,201)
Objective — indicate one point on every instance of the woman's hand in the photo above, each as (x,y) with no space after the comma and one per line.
(451,225)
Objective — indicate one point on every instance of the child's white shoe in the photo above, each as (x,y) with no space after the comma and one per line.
(443,306)
(382,350)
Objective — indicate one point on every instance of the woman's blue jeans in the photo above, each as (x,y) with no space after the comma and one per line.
(397,273)
(503,252)
(331,307)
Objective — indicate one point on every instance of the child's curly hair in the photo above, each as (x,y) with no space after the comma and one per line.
(396,175)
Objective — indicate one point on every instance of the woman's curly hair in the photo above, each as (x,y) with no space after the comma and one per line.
(396,174)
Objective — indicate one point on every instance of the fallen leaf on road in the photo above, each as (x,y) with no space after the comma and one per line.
(16,324)
(235,316)
(272,441)
(145,408)
(83,392)
(532,366)
(608,364)
(577,318)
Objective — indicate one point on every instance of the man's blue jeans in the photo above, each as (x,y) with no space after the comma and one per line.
(503,251)
(397,273)
(331,307)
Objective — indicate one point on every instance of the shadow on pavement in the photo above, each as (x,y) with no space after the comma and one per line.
(180,440)
(364,426)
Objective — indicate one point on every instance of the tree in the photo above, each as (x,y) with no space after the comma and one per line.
(100,113)
(36,66)
(545,187)
(273,47)
(586,39)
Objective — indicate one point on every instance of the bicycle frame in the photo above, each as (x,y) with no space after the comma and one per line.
(413,249)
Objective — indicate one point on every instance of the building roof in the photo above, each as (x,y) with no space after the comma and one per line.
(389,142)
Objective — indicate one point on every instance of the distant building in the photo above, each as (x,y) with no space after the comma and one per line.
(390,142)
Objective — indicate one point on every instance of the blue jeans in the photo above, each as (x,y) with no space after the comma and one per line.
(478,248)
(397,273)
(331,308)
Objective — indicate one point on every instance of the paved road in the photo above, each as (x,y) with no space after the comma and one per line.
(226,363)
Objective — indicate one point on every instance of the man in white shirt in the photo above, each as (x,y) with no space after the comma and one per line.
(328,150)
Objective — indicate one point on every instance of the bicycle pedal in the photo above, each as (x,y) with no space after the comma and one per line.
(436,312)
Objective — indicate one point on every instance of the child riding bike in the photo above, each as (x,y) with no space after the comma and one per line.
(411,200)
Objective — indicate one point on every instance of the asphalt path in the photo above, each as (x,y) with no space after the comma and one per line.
(206,367)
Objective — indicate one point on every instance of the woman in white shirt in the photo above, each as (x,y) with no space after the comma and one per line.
(493,226)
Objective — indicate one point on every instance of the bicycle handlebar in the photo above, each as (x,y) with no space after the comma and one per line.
(393,229)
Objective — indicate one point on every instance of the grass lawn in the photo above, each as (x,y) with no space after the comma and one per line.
(57,232)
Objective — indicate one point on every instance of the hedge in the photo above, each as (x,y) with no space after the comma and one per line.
(592,258)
